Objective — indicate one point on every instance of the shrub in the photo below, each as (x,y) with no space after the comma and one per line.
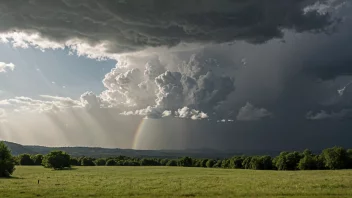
(7,162)
(57,160)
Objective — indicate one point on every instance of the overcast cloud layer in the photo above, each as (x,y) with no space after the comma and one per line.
(277,62)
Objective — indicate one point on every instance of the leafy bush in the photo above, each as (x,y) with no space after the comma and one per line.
(7,162)
(57,160)
(25,160)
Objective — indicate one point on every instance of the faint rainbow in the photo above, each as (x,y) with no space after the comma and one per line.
(137,135)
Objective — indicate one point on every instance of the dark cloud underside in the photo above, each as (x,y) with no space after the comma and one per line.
(136,24)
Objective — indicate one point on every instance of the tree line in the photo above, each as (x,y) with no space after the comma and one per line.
(329,159)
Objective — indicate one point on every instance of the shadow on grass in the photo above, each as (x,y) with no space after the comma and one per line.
(12,177)
(65,169)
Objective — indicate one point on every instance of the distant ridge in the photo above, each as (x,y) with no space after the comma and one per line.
(18,149)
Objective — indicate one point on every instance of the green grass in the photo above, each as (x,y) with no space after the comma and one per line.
(174,182)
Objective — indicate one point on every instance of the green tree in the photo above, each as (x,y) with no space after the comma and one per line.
(163,162)
(57,160)
(37,159)
(203,163)
(111,162)
(87,161)
(217,164)
(349,158)
(225,163)
(320,163)
(171,163)
(236,162)
(7,162)
(335,158)
(267,162)
(255,163)
(100,162)
(149,162)
(74,162)
(246,163)
(185,162)
(210,163)
(25,160)
(308,162)
(288,160)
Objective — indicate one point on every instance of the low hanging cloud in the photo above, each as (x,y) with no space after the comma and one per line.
(250,113)
(5,67)
(322,115)
(52,104)
(106,26)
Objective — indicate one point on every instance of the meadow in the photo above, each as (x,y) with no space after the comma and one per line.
(174,182)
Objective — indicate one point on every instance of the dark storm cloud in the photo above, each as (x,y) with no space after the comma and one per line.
(135,24)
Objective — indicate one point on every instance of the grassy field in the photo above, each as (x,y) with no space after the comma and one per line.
(174,182)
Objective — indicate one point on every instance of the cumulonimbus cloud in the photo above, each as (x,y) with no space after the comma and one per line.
(192,87)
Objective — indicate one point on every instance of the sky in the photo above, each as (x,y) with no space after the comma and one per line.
(161,74)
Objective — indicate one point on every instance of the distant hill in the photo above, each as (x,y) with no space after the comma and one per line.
(18,149)
(96,152)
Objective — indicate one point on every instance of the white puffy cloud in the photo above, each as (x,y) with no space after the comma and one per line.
(52,104)
(186,112)
(250,112)
(91,101)
(4,67)
(149,85)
